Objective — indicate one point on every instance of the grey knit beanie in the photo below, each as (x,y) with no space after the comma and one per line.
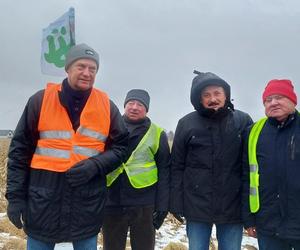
(81,51)
(139,95)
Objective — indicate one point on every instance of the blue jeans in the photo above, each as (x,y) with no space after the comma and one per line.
(86,244)
(229,236)
(266,242)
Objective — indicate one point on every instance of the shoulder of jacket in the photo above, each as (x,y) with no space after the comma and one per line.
(37,97)
(240,113)
(156,126)
(189,116)
(99,91)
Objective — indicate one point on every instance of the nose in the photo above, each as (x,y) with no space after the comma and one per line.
(134,106)
(86,71)
(274,101)
(213,98)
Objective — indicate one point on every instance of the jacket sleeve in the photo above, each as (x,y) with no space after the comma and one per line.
(178,156)
(117,142)
(21,150)
(249,122)
(162,159)
(247,217)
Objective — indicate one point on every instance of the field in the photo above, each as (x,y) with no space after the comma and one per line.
(171,235)
(10,237)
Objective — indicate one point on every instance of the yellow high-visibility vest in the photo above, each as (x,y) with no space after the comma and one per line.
(253,165)
(141,167)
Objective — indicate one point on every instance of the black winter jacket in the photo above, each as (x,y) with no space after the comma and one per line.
(278,156)
(56,212)
(206,166)
(121,193)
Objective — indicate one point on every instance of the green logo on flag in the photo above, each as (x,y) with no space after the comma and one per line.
(57,56)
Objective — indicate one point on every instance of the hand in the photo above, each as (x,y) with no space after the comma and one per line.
(158,219)
(15,213)
(178,217)
(82,172)
(251,231)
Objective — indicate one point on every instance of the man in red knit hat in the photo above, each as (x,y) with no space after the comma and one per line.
(271,199)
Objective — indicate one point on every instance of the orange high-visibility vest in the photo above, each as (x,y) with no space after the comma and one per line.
(59,146)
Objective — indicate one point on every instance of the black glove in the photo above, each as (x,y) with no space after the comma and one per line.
(15,214)
(82,172)
(158,219)
(178,217)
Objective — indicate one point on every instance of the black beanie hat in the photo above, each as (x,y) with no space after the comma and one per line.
(139,95)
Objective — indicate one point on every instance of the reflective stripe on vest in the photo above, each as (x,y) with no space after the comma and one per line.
(55,135)
(253,165)
(141,168)
(59,146)
(91,133)
(57,153)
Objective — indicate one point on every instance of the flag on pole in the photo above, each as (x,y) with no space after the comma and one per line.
(58,38)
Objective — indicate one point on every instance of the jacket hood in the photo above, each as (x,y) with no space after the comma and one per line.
(203,80)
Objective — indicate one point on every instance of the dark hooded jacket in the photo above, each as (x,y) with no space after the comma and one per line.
(278,157)
(206,161)
(53,211)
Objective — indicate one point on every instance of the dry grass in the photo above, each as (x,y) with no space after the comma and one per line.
(248,247)
(13,244)
(4,145)
(7,227)
(16,239)
(175,246)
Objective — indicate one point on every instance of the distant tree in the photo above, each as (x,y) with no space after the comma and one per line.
(170,135)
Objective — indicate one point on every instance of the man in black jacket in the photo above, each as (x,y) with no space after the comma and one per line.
(206,165)
(139,189)
(69,137)
(271,193)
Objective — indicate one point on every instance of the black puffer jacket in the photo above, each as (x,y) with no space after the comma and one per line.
(278,157)
(206,166)
(56,212)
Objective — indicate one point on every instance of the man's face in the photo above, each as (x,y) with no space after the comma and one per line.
(81,74)
(135,110)
(213,97)
(278,107)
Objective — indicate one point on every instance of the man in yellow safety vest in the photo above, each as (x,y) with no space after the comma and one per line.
(271,197)
(139,189)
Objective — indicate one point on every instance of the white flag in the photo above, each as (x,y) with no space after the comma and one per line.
(58,38)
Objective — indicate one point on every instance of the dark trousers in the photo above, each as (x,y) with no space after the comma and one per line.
(266,242)
(139,221)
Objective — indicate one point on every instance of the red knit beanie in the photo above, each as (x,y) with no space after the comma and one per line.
(280,87)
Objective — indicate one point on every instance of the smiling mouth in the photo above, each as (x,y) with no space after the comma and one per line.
(84,80)
(275,109)
(213,105)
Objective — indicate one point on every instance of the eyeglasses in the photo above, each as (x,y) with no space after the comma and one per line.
(277,98)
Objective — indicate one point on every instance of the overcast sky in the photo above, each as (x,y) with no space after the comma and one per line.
(156,45)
